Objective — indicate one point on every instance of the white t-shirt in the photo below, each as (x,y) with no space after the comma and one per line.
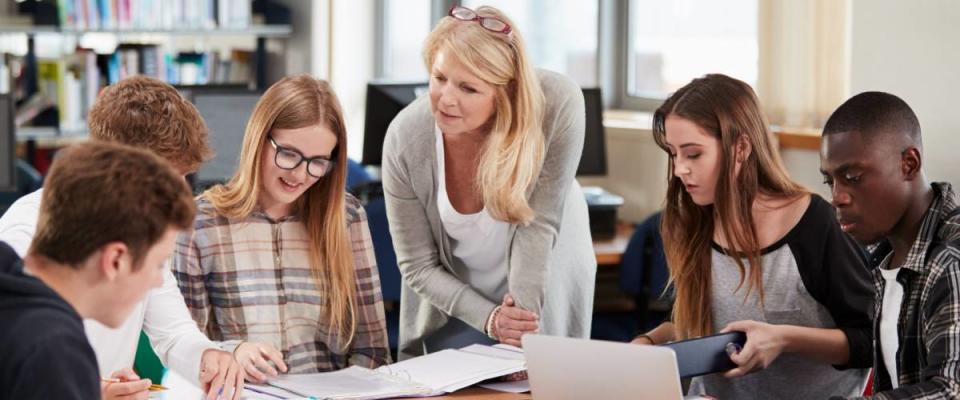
(162,313)
(889,315)
(477,240)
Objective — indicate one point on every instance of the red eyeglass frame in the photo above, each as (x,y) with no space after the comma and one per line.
(479,19)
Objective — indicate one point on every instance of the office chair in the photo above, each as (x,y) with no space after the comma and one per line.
(28,180)
(644,274)
(370,193)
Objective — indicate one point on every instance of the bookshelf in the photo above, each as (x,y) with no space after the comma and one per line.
(265,31)
(54,136)
(166,40)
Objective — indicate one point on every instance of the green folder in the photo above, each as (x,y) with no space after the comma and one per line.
(146,362)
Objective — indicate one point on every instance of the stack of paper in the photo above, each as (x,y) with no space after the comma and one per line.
(451,370)
(350,383)
(430,375)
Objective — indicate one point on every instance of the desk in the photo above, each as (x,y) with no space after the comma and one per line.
(607,295)
(610,252)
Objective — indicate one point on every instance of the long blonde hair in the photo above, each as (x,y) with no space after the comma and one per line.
(512,156)
(295,102)
(729,110)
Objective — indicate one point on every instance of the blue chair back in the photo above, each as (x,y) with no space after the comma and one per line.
(643,269)
(356,174)
(643,273)
(390,279)
(28,181)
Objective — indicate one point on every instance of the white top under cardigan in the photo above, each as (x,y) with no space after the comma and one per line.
(477,240)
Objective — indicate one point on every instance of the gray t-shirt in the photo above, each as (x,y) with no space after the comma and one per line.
(814,277)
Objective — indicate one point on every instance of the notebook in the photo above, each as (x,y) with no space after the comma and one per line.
(433,374)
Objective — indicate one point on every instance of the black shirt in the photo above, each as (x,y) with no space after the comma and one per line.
(44,353)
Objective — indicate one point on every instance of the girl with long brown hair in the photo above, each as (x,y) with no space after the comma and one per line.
(751,250)
(280,264)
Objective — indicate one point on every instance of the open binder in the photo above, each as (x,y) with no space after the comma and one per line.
(433,374)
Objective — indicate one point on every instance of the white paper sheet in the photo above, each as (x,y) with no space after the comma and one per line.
(450,370)
(509,387)
(350,383)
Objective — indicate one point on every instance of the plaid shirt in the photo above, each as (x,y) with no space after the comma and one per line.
(250,279)
(928,362)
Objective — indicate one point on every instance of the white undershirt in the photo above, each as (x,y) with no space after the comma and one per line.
(477,240)
(889,314)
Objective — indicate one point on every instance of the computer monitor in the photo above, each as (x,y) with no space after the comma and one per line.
(384,102)
(593,161)
(226,111)
(8,153)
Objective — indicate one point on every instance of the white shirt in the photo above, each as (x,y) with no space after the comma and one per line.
(889,315)
(162,313)
(477,240)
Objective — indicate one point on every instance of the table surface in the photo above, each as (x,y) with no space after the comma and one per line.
(610,252)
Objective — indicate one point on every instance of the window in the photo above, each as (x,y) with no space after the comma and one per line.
(671,42)
(638,51)
(406,24)
(571,50)
(561,35)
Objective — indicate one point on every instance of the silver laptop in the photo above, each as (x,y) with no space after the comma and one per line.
(564,368)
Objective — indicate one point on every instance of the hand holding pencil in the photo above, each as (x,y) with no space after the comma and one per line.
(125,384)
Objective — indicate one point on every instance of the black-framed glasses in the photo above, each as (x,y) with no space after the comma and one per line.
(489,23)
(287,158)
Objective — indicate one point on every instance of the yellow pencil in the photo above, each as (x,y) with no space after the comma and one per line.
(156,387)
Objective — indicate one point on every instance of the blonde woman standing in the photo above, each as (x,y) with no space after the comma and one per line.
(280,263)
(489,225)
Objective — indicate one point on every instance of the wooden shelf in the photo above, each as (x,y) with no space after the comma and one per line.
(798,139)
(269,31)
(32,132)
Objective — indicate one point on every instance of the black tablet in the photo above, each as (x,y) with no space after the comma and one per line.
(706,355)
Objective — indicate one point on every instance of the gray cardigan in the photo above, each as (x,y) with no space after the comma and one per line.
(551,263)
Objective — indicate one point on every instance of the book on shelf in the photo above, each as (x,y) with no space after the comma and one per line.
(434,374)
(153,14)
(68,86)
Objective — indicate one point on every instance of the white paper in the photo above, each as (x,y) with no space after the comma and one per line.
(264,392)
(350,383)
(451,370)
(498,350)
(428,375)
(509,387)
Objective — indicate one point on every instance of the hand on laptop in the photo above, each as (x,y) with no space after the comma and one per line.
(255,359)
(130,386)
(764,344)
(220,373)
(512,322)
